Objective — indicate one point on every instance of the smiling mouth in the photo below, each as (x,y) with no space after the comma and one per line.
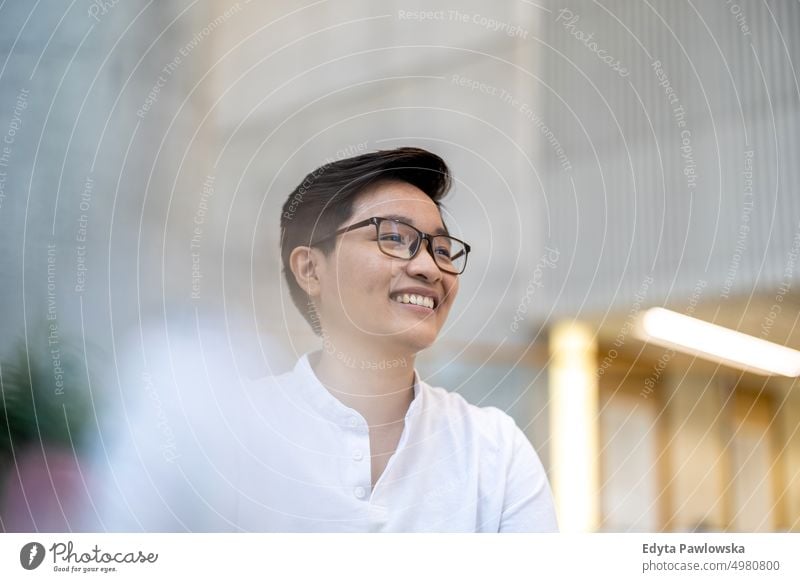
(414,299)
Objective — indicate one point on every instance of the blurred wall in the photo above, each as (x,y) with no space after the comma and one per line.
(680,123)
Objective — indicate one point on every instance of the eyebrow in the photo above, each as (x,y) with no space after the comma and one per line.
(407,220)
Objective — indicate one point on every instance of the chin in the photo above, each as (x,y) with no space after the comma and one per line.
(410,336)
(417,340)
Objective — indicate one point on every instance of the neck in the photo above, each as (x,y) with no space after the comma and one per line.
(379,388)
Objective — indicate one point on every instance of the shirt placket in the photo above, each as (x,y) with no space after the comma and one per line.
(359,474)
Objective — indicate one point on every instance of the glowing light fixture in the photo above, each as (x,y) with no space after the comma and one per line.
(720,344)
(574,426)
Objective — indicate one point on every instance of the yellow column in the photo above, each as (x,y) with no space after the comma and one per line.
(574,426)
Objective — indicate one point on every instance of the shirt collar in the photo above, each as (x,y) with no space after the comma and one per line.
(330,408)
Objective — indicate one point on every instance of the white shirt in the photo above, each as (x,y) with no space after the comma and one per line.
(298,460)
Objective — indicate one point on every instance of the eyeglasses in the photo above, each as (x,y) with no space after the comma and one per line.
(403,241)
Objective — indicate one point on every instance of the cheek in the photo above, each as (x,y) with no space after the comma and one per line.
(364,280)
(452,292)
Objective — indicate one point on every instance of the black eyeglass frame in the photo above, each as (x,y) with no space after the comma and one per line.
(376,221)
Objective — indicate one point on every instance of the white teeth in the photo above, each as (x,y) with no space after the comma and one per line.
(415,300)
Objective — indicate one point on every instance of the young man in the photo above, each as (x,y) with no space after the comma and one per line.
(352,439)
(362,443)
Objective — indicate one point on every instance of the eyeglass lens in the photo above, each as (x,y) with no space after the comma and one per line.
(401,241)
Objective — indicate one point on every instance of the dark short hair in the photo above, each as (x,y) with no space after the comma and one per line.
(323,201)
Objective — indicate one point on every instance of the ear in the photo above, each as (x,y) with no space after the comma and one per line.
(306,263)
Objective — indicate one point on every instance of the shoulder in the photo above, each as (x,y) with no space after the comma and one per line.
(272,386)
(508,469)
(487,424)
(270,382)
(299,375)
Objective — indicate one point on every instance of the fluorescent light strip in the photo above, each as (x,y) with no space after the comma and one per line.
(718,343)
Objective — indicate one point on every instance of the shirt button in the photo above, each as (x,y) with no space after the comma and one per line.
(358,455)
(353,421)
(360,492)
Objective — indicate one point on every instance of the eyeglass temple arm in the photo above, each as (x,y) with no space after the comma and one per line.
(342,231)
(463,251)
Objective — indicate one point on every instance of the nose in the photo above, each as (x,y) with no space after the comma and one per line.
(423,265)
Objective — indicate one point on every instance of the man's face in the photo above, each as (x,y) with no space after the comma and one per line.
(360,286)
